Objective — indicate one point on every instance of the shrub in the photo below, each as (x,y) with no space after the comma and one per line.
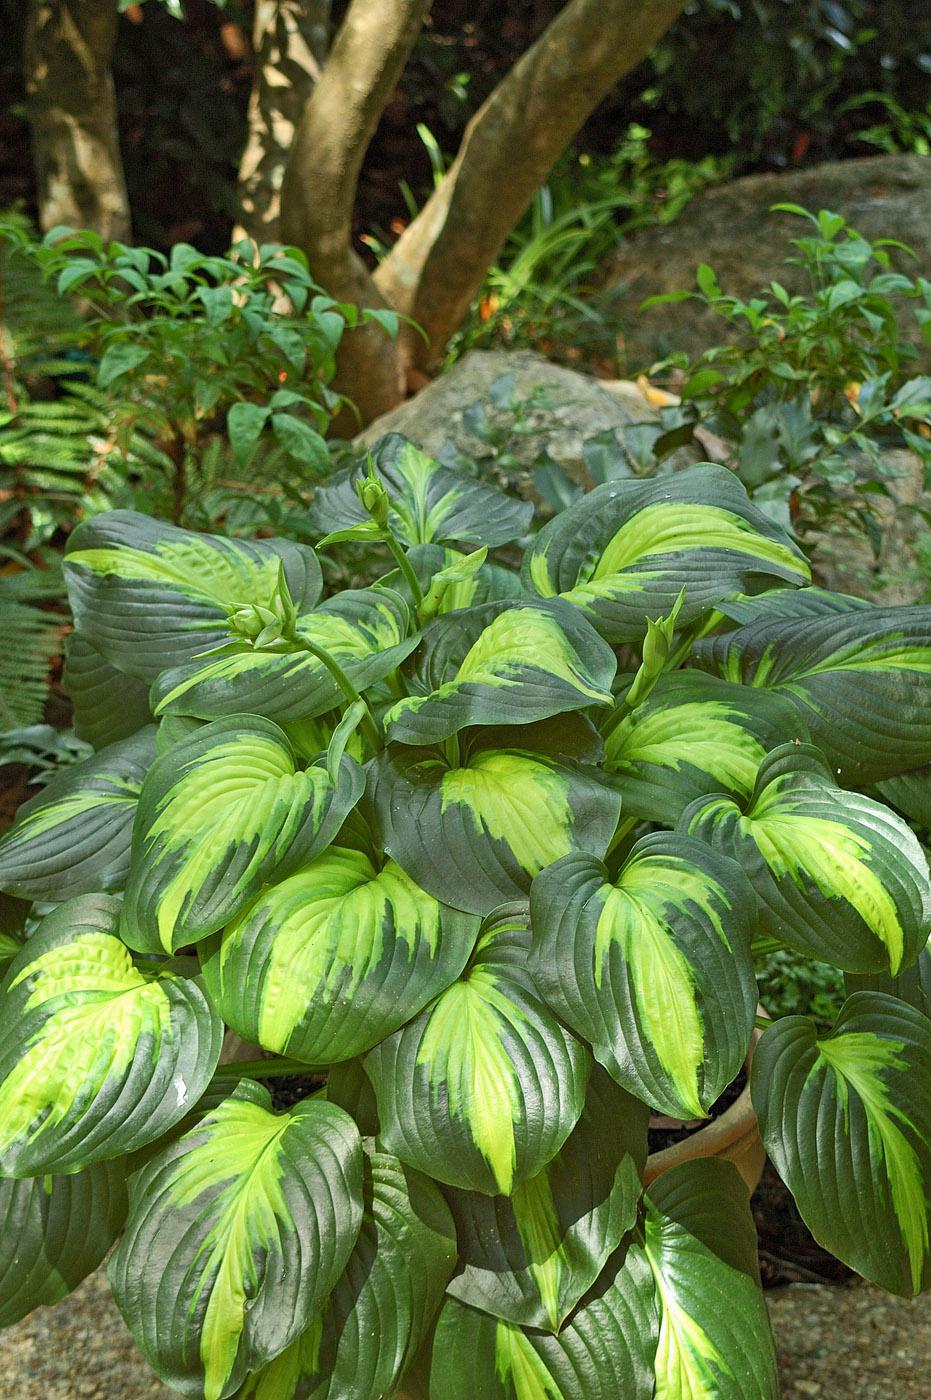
(480,861)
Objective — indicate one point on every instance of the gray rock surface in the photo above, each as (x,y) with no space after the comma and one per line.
(730,227)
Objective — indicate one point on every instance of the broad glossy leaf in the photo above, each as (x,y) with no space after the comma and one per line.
(430,503)
(74,837)
(846,1119)
(364,630)
(152,595)
(475,833)
(97,1056)
(54,1231)
(910,794)
(622,552)
(502,663)
(108,704)
(603,1352)
(715,1337)
(652,968)
(381,1309)
(781,603)
(913,985)
(484,1087)
(529,1257)
(333,959)
(861,679)
(837,876)
(222,812)
(694,735)
(237,1233)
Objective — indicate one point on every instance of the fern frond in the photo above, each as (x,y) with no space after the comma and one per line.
(31,639)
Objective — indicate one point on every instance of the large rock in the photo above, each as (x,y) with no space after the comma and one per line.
(730,227)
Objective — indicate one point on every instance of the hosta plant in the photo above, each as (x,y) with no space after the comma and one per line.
(479,864)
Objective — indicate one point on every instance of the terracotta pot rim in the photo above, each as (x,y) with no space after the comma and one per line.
(735,1124)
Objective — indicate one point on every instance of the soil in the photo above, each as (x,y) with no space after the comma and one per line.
(288,1091)
(664,1132)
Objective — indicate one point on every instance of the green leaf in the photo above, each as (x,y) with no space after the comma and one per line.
(779,604)
(381,1309)
(603,1352)
(529,1257)
(151,595)
(484,1087)
(244,425)
(97,1056)
(700,1242)
(430,503)
(336,957)
(237,1233)
(502,663)
(108,705)
(476,832)
(652,968)
(695,735)
(302,442)
(364,630)
(624,551)
(910,794)
(119,359)
(221,812)
(490,583)
(861,678)
(837,876)
(846,1118)
(54,1231)
(913,985)
(74,837)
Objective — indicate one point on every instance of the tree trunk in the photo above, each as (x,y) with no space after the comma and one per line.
(72,110)
(290,39)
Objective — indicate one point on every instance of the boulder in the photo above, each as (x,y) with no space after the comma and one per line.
(730,226)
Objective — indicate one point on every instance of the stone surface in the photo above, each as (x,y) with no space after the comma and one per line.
(730,227)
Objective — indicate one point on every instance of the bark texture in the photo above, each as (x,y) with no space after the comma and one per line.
(290,39)
(72,110)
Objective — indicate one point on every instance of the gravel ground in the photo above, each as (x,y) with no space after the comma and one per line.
(851,1343)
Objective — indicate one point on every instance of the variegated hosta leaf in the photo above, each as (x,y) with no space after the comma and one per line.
(430,503)
(348,1085)
(74,837)
(331,960)
(502,663)
(54,1231)
(97,1056)
(484,1087)
(603,1352)
(221,812)
(837,876)
(695,734)
(151,595)
(529,1257)
(380,1312)
(846,1118)
(652,968)
(861,678)
(364,630)
(108,704)
(781,603)
(623,552)
(237,1233)
(910,794)
(715,1338)
(913,985)
(476,832)
(492,583)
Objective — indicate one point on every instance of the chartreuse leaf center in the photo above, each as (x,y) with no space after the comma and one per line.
(707,734)
(521,1368)
(192,565)
(517,800)
(542,1237)
(688,1364)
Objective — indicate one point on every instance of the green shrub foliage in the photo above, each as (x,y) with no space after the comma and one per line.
(480,862)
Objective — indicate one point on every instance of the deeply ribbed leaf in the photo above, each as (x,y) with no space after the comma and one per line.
(491,583)
(381,1309)
(221,812)
(430,503)
(846,1118)
(484,1087)
(54,1231)
(108,704)
(529,1257)
(695,734)
(331,960)
(652,968)
(501,663)
(837,876)
(913,985)
(150,595)
(97,1056)
(365,631)
(861,679)
(74,837)
(623,552)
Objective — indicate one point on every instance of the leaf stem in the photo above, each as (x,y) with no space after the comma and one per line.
(367,724)
(406,567)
